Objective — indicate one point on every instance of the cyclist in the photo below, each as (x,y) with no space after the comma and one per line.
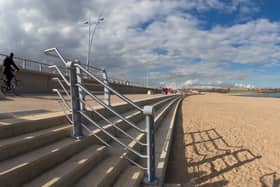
(8,70)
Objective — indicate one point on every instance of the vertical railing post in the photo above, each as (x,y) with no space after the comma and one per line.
(150,140)
(40,67)
(107,94)
(76,107)
(80,80)
(24,64)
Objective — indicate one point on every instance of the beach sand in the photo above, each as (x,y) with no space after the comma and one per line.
(223,140)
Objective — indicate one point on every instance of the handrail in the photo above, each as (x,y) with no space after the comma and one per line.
(111,89)
(79,108)
(100,139)
(99,101)
(25,59)
(65,104)
(60,83)
(63,100)
(113,137)
(114,125)
(60,73)
(64,60)
(58,55)
(42,64)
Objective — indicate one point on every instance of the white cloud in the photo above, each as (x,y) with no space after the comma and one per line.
(127,50)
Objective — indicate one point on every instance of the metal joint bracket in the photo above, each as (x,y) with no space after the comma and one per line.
(151,178)
(148,110)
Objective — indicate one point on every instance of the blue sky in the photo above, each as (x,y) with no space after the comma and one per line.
(176,43)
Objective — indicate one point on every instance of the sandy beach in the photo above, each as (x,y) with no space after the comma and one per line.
(223,140)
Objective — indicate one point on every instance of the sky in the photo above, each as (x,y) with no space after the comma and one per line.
(170,43)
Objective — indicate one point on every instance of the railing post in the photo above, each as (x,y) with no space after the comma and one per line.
(150,140)
(40,67)
(80,80)
(24,64)
(76,107)
(107,94)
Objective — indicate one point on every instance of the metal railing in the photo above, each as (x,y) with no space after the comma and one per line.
(41,67)
(75,90)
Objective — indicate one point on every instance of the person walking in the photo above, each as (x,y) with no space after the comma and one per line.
(8,69)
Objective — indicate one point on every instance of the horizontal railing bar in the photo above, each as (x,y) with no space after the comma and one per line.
(62,98)
(95,111)
(60,73)
(135,163)
(113,137)
(66,115)
(64,105)
(99,101)
(24,59)
(91,133)
(64,89)
(58,55)
(114,124)
(111,80)
(111,89)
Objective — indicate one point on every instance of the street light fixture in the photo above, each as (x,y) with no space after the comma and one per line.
(91,35)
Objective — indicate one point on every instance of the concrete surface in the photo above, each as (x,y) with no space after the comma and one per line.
(2,96)
(14,106)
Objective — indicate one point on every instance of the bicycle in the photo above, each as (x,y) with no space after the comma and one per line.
(15,86)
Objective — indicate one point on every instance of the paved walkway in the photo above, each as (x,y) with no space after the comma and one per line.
(33,104)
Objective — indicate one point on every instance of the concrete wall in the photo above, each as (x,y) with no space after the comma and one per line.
(42,83)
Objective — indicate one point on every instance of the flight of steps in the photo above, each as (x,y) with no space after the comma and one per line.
(43,153)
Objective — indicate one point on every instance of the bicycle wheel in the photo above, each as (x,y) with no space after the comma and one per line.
(17,87)
(3,87)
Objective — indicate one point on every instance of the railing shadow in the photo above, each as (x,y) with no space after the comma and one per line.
(210,156)
(176,167)
(270,180)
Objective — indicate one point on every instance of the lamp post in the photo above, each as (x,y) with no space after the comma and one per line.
(91,35)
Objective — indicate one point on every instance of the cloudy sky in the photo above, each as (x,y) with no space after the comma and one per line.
(178,43)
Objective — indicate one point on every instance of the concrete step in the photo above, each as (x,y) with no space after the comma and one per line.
(31,123)
(68,172)
(59,151)
(16,171)
(107,172)
(11,147)
(25,167)
(131,177)
(104,173)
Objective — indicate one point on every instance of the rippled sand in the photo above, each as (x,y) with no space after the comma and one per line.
(227,141)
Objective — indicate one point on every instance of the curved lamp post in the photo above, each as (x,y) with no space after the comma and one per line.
(91,35)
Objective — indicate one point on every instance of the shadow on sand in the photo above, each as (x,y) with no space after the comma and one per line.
(201,158)
(213,155)
(270,180)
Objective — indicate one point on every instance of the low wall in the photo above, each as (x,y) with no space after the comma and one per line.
(42,83)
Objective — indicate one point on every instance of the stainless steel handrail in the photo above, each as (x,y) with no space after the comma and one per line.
(111,89)
(65,104)
(62,98)
(63,87)
(58,55)
(114,125)
(60,73)
(113,137)
(99,101)
(91,133)
(26,60)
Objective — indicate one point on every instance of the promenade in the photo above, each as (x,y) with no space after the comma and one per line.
(223,140)
(24,105)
